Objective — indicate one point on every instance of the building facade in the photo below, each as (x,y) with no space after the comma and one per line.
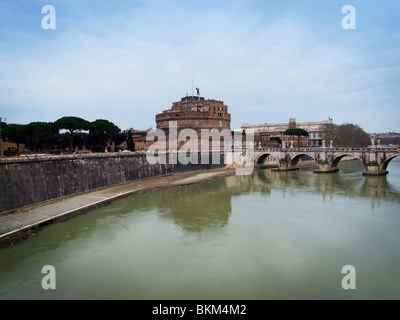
(266,135)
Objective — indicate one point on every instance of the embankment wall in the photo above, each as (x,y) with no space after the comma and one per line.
(28,182)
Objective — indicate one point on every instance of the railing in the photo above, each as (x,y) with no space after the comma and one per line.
(322,149)
(44,157)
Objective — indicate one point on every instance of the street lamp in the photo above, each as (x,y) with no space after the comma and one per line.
(84,141)
(1,119)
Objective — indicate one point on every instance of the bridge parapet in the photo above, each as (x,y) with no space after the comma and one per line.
(328,149)
(374,158)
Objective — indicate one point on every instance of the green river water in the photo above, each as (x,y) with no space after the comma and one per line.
(268,235)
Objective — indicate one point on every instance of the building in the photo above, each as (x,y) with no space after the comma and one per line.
(387,138)
(10,148)
(266,135)
(197,113)
(139,140)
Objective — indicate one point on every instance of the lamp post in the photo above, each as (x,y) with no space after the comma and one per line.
(84,141)
(1,152)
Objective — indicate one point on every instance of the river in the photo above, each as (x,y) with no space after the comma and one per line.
(268,235)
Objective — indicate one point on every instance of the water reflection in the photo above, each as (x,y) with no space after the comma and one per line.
(208,206)
(349,184)
(193,209)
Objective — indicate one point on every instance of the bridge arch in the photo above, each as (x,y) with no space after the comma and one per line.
(386,163)
(295,159)
(261,158)
(337,159)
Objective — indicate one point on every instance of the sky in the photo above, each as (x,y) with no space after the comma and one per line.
(126,61)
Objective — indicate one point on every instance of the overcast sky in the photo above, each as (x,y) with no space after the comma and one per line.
(126,61)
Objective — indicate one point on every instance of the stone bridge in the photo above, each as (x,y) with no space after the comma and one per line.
(374,158)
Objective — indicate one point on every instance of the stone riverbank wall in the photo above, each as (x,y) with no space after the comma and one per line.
(34,180)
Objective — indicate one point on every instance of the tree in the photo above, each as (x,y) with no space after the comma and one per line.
(118,138)
(72,124)
(279,140)
(40,135)
(102,131)
(15,133)
(327,131)
(130,143)
(2,125)
(296,132)
(61,140)
(350,135)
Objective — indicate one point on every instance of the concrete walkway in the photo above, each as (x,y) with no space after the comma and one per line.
(23,223)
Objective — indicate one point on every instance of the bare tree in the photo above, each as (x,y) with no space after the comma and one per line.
(350,135)
(327,131)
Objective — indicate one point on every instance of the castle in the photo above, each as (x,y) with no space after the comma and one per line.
(197,113)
